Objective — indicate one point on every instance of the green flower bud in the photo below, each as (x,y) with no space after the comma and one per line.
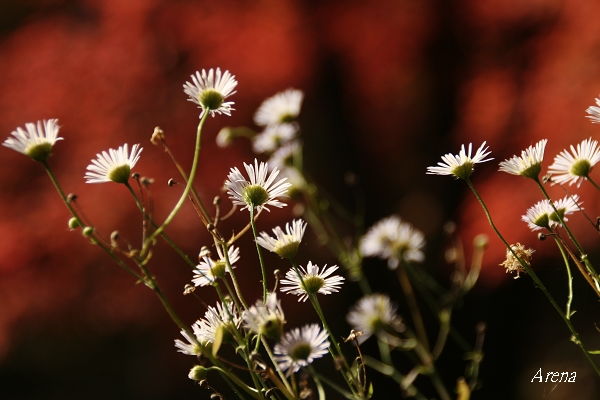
(74,223)
(198,373)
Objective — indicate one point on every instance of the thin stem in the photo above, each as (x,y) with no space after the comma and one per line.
(384,353)
(184,176)
(163,234)
(317,307)
(582,270)
(592,182)
(439,385)
(340,355)
(272,357)
(569,277)
(334,386)
(184,195)
(411,301)
(535,278)
(395,375)
(238,291)
(260,258)
(95,240)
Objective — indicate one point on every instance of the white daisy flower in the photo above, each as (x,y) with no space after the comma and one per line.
(191,348)
(114,166)
(260,191)
(36,141)
(461,166)
(224,318)
(300,347)
(285,244)
(594,112)
(529,164)
(282,108)
(575,167)
(312,281)
(273,137)
(393,240)
(209,270)
(209,91)
(565,206)
(372,314)
(538,216)
(266,319)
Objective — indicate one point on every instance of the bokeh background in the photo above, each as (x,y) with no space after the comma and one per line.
(390,86)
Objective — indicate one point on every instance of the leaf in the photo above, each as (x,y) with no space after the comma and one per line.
(218,341)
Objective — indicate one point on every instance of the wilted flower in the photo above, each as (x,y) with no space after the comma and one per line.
(512,263)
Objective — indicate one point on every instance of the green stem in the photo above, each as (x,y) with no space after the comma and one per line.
(439,385)
(317,307)
(569,276)
(335,387)
(96,241)
(592,182)
(279,371)
(184,175)
(163,234)
(184,195)
(535,278)
(260,258)
(413,307)
(238,291)
(386,370)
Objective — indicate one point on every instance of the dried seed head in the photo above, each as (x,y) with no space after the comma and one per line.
(157,135)
(188,289)
(512,263)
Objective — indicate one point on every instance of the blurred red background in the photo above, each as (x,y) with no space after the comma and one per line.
(390,87)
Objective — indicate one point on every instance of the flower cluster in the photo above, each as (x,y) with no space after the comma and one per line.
(253,329)
(543,214)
